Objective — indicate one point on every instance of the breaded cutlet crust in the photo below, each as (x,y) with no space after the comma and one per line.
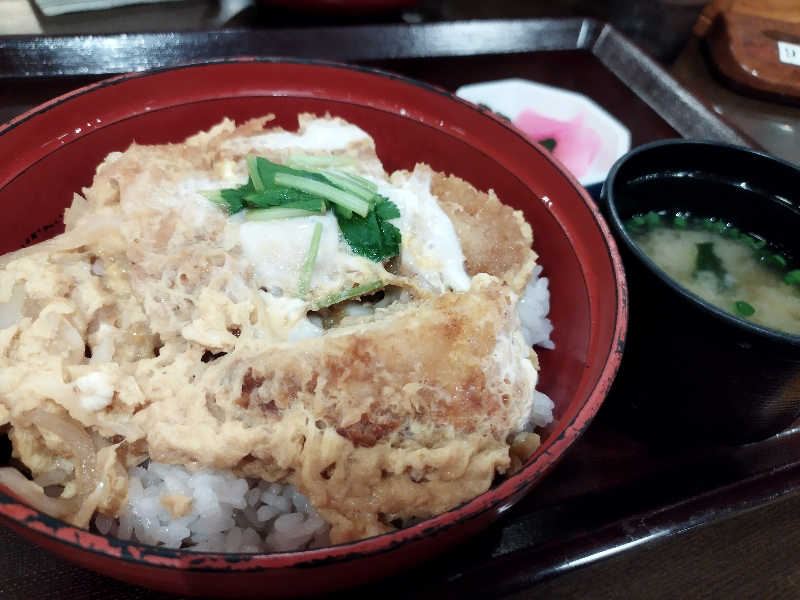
(404,414)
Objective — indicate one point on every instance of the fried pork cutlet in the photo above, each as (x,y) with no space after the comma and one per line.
(158,326)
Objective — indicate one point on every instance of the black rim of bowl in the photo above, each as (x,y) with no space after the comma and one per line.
(607,197)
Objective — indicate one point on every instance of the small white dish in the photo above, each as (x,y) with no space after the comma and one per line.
(587,139)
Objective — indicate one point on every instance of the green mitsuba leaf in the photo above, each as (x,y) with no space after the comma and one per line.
(372,237)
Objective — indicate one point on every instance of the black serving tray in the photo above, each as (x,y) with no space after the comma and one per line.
(615,491)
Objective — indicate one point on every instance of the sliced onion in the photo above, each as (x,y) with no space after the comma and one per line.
(78,442)
(32,494)
(96,229)
(54,477)
(88,504)
(11,311)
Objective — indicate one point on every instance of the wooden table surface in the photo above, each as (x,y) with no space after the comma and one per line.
(749,554)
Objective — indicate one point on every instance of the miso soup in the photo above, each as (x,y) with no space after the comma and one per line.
(738,272)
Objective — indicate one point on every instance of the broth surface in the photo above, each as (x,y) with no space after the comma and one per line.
(746,279)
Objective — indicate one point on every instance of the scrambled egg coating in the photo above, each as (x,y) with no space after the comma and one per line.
(159,327)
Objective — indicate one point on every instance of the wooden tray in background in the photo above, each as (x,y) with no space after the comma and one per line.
(754,46)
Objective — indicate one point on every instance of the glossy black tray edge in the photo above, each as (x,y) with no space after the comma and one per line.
(88,55)
(524,568)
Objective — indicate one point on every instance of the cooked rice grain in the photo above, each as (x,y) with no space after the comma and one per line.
(224,513)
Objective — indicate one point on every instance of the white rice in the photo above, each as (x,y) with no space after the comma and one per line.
(542,410)
(226,514)
(533,308)
(230,514)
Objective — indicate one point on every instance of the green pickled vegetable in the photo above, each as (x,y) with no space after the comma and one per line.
(549,143)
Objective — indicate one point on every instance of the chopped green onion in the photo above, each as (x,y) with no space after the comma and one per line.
(277,212)
(776,260)
(255,176)
(731,232)
(754,242)
(652,219)
(308,266)
(743,308)
(358,290)
(335,195)
(793,277)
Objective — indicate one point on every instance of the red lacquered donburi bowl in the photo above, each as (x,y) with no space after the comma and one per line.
(51,152)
